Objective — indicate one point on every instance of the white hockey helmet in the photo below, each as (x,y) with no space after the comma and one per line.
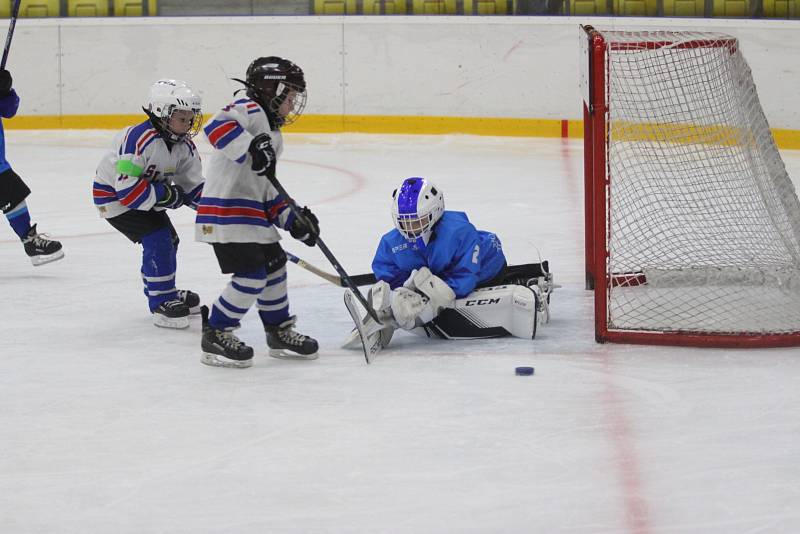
(168,96)
(417,205)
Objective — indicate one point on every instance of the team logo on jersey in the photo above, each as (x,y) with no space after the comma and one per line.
(207,229)
(398,248)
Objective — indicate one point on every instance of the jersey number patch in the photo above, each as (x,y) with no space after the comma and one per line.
(150,173)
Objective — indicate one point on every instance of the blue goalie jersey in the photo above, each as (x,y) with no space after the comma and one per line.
(458,253)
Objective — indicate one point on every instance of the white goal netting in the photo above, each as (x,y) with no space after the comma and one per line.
(703,220)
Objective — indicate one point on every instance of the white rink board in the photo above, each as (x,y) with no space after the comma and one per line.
(521,67)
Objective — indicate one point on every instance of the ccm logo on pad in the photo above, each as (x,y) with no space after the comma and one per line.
(481,302)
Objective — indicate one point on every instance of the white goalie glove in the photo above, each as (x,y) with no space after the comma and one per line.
(406,305)
(422,297)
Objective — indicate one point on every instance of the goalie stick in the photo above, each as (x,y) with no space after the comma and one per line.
(538,271)
(12,24)
(322,246)
(529,270)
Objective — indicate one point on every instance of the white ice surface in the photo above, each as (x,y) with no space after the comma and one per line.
(108,424)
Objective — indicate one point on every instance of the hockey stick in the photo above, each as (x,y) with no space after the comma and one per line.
(358,279)
(11,27)
(523,270)
(330,277)
(322,246)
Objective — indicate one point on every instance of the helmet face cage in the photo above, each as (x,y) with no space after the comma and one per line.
(271,81)
(283,91)
(169,96)
(416,207)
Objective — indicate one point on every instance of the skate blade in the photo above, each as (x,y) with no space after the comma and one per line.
(50,258)
(282,354)
(216,360)
(177,323)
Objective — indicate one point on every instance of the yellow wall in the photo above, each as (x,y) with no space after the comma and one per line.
(785,139)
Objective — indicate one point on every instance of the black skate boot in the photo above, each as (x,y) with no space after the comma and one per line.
(221,348)
(171,314)
(191,299)
(40,249)
(286,344)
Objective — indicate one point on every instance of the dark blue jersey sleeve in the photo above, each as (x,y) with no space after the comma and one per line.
(9,105)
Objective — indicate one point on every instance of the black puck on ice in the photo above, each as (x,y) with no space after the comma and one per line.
(523,371)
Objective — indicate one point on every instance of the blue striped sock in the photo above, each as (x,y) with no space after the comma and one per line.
(20,219)
(273,302)
(240,294)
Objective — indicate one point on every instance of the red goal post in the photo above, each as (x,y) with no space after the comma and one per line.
(692,225)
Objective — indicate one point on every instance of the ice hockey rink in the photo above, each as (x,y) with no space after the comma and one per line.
(108,424)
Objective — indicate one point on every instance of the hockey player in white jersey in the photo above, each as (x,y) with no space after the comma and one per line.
(151,167)
(240,210)
(438,276)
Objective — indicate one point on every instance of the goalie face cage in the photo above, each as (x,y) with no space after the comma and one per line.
(692,223)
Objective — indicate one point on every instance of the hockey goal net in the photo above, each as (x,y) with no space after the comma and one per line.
(692,222)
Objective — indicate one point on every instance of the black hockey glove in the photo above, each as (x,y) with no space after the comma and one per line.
(263,154)
(172,197)
(305,229)
(5,83)
(190,201)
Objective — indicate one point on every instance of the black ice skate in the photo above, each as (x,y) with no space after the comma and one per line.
(286,344)
(221,348)
(191,299)
(171,314)
(40,249)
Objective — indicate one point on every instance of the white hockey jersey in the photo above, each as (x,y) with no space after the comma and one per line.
(238,205)
(129,175)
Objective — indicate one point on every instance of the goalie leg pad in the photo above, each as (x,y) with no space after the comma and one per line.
(487,312)
(524,312)
(380,298)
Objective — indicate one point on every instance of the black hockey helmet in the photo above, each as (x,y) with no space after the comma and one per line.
(270,80)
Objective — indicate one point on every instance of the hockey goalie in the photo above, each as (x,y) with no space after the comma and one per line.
(438,276)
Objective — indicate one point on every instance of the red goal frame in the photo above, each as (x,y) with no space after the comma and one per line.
(597,179)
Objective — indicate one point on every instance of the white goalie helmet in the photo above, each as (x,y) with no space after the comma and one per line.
(417,205)
(166,97)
